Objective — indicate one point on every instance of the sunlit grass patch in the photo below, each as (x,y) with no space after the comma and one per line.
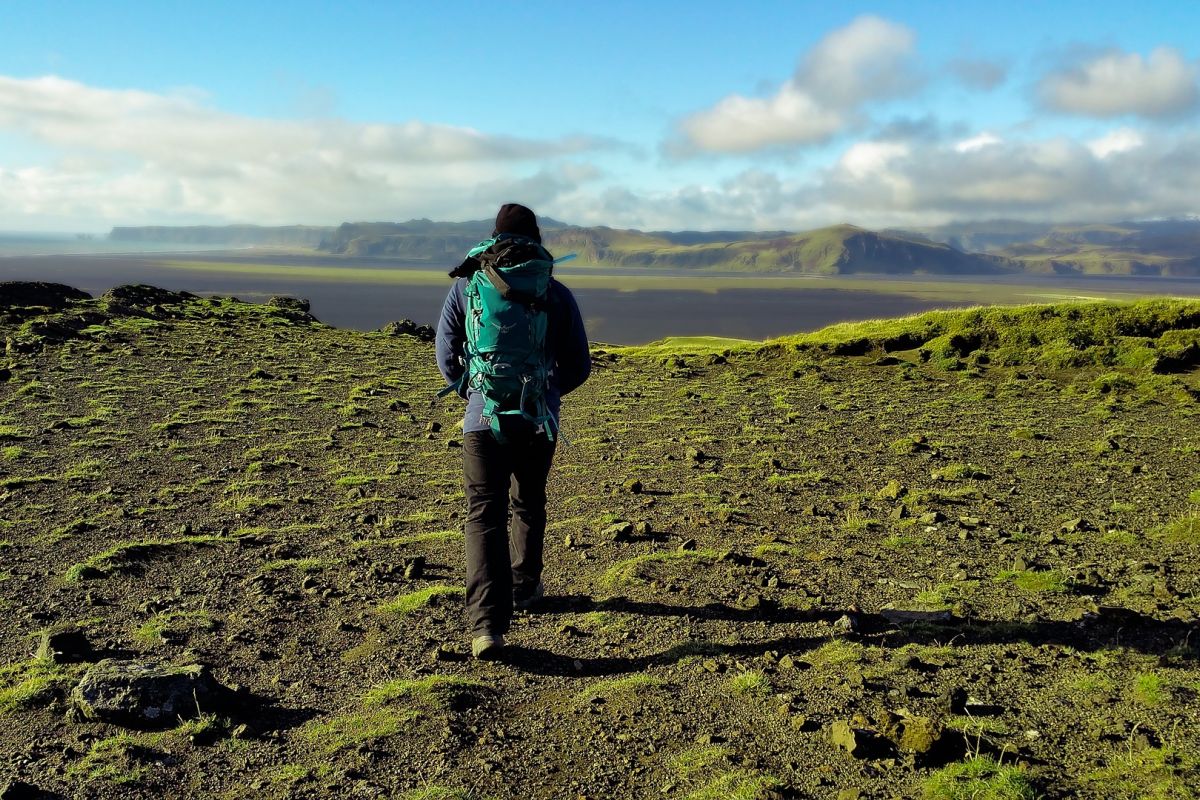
(122,555)
(413,601)
(739,784)
(617,689)
(434,792)
(28,683)
(441,691)
(752,683)
(837,652)
(163,627)
(630,570)
(1035,581)
(696,760)
(1148,689)
(346,731)
(1184,529)
(1146,773)
(979,778)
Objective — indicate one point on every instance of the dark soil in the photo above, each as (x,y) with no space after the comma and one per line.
(204,481)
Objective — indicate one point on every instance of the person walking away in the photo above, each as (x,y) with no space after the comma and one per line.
(511,341)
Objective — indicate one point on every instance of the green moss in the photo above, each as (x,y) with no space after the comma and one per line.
(1149,690)
(1035,581)
(738,784)
(618,689)
(434,792)
(408,603)
(123,759)
(122,555)
(162,627)
(1184,529)
(30,683)
(979,778)
(346,731)
(696,760)
(1147,773)
(752,683)
(630,570)
(838,653)
(441,691)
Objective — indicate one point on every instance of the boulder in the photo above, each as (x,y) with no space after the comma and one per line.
(21,294)
(20,790)
(142,296)
(857,741)
(64,646)
(910,733)
(406,327)
(297,304)
(146,693)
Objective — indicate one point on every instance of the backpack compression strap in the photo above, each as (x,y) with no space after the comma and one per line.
(508,293)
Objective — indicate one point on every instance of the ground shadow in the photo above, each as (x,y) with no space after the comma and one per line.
(1109,628)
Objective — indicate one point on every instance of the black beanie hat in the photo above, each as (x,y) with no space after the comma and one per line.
(518,220)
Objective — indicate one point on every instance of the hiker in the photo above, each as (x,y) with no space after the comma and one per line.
(524,349)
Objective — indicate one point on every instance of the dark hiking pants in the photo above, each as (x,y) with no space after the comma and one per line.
(503,563)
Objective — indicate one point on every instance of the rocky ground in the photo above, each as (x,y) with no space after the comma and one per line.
(776,573)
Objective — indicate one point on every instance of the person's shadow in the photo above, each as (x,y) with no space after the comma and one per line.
(1110,627)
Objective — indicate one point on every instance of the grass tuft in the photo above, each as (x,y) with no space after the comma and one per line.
(413,601)
(979,778)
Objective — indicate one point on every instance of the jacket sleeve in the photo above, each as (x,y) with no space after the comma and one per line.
(573,358)
(451,333)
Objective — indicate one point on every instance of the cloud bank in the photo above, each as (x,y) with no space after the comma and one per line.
(1161,85)
(134,154)
(104,156)
(871,58)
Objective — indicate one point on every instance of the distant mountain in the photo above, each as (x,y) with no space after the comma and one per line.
(1168,247)
(840,249)
(234,235)
(416,240)
(987,236)
(1156,247)
(1162,247)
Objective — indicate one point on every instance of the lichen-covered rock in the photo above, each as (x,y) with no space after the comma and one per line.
(406,327)
(297,304)
(146,694)
(911,733)
(142,296)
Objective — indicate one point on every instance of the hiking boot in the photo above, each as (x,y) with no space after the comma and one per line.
(487,646)
(529,602)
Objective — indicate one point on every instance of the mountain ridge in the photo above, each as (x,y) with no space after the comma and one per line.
(1159,247)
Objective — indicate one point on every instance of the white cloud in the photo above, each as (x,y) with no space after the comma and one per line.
(922,181)
(741,124)
(975,142)
(128,155)
(863,159)
(1120,140)
(868,59)
(1115,84)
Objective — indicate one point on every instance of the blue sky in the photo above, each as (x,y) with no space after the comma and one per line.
(763,115)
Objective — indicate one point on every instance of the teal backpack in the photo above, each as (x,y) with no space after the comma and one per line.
(506,320)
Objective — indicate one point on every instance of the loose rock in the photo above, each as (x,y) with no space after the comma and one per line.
(146,694)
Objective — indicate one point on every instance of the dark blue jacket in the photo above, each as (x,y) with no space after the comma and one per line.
(566,341)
